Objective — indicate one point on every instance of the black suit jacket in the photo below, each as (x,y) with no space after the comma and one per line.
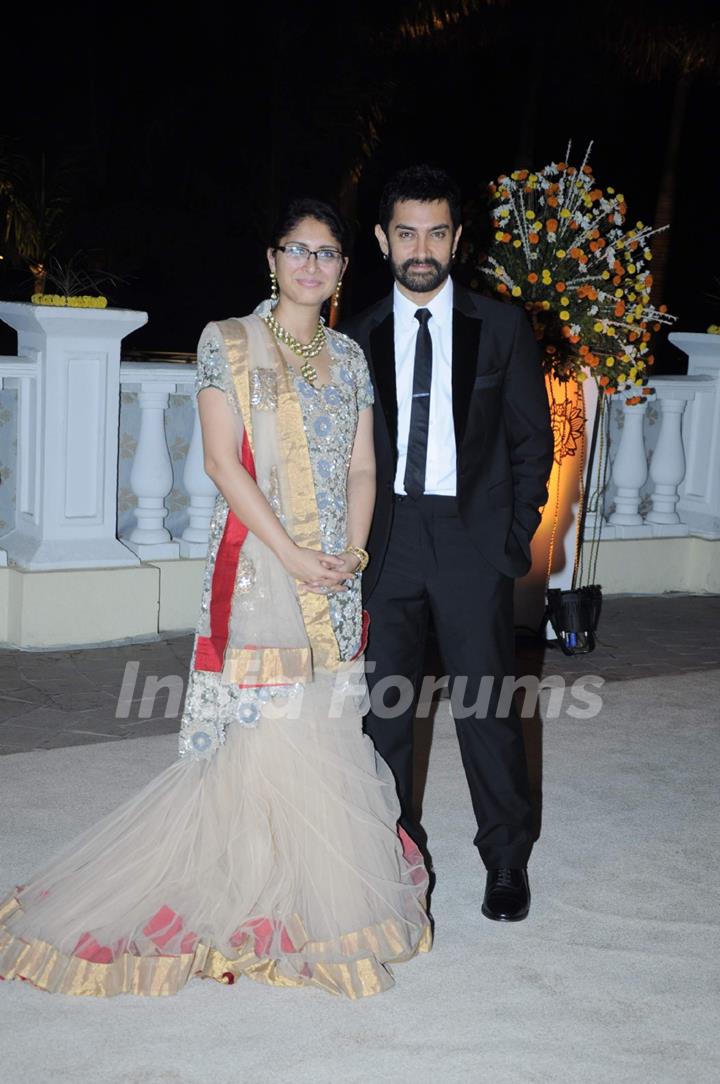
(503,436)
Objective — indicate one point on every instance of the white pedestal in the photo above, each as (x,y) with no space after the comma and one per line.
(67,462)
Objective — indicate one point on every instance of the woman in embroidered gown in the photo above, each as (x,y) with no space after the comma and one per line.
(269,848)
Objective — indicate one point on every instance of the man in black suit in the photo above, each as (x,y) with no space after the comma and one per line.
(463,449)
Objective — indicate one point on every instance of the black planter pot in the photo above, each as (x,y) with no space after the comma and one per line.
(574,617)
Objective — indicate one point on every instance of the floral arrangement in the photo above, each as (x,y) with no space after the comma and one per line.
(561,247)
(84,301)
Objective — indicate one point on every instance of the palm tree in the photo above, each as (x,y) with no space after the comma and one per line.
(34,202)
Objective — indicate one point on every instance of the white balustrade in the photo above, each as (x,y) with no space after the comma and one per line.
(68,378)
(630,471)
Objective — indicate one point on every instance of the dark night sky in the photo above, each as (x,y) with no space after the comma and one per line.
(192,130)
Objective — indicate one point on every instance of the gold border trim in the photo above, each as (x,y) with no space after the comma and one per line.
(44,966)
(267,665)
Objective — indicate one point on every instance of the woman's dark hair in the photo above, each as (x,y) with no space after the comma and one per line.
(298,209)
(424,183)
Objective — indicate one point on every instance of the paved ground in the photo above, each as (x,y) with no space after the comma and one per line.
(53,698)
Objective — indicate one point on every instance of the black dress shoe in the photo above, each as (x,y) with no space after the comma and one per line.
(507,895)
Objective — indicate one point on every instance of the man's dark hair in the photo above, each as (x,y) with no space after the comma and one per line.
(298,209)
(423,183)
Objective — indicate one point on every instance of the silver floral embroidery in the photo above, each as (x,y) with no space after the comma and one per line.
(245,575)
(330,416)
(263,389)
(211,706)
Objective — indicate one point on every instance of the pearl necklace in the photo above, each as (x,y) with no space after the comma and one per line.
(303,350)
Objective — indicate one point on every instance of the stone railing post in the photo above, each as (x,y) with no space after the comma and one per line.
(151,477)
(202,493)
(67,496)
(667,466)
(630,470)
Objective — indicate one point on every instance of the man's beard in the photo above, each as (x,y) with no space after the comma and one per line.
(420,282)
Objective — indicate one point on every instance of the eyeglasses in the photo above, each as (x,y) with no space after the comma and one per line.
(300,253)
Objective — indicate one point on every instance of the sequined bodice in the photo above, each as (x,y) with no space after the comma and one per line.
(330,415)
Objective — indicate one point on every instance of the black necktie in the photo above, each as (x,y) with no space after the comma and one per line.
(414,480)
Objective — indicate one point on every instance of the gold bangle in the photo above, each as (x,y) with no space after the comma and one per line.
(362,556)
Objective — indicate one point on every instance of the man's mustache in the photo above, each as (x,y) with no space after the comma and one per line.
(422,263)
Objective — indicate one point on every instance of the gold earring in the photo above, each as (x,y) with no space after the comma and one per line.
(273,287)
(336,295)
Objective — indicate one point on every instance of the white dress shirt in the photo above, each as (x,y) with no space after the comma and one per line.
(440,471)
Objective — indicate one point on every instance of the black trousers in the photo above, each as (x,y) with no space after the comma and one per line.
(432,567)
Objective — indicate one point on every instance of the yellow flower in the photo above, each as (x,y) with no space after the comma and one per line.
(516,291)
(611,332)
(564,315)
(632,268)
(609,362)
(517,243)
(564,300)
(564,213)
(597,326)
(606,274)
(561,253)
(618,293)
(499,235)
(530,215)
(582,375)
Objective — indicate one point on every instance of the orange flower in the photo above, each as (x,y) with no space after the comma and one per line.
(501,288)
(552,201)
(552,223)
(620,308)
(587,169)
(603,380)
(560,287)
(533,238)
(584,349)
(595,194)
(609,390)
(532,277)
(592,361)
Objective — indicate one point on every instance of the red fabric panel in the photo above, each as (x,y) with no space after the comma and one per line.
(210,650)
